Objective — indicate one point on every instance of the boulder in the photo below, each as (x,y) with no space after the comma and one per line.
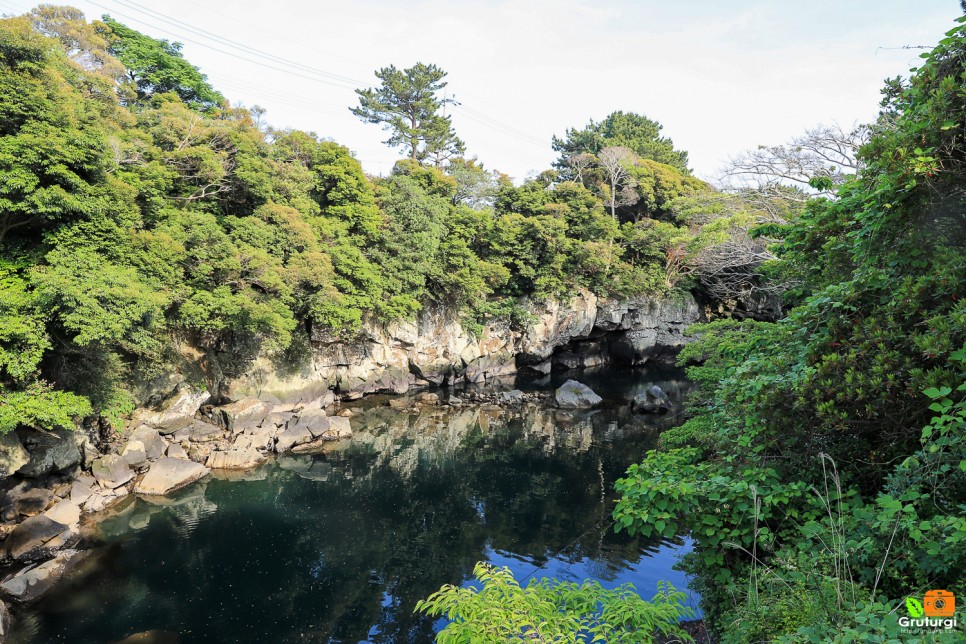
(169,474)
(32,582)
(198,431)
(291,437)
(102,499)
(112,471)
(33,502)
(576,395)
(133,454)
(400,403)
(29,539)
(339,427)
(652,401)
(53,451)
(313,420)
(181,403)
(241,413)
(67,512)
(276,419)
(235,459)
(80,489)
(13,456)
(176,451)
(149,441)
(262,442)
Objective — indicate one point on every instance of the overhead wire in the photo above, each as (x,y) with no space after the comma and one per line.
(335,79)
(254,61)
(246,53)
(204,33)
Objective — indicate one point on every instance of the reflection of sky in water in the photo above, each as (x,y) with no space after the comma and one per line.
(644,574)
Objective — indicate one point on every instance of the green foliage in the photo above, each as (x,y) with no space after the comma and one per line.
(552,611)
(625,129)
(156,67)
(407,106)
(836,432)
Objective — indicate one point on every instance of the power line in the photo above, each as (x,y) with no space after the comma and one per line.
(222,51)
(204,33)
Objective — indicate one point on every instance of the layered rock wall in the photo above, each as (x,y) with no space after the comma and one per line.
(437,349)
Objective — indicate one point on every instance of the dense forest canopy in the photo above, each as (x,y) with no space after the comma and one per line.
(137,206)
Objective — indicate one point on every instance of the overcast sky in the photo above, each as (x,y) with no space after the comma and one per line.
(721,76)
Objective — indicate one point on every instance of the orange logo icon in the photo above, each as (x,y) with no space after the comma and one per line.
(939,603)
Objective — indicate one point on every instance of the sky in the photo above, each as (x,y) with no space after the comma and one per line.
(722,76)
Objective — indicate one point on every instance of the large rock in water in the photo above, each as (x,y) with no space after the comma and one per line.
(169,474)
(32,582)
(576,395)
(235,459)
(30,539)
(652,401)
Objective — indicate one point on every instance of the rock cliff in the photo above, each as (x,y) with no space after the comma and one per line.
(437,348)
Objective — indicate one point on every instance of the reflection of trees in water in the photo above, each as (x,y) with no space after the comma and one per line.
(339,546)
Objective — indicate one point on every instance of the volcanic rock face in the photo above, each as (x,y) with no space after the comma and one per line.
(437,349)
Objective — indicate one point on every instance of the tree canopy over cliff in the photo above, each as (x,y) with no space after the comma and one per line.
(137,207)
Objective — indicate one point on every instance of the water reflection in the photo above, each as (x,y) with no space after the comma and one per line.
(338,546)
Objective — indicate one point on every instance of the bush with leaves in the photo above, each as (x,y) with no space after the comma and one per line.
(546,610)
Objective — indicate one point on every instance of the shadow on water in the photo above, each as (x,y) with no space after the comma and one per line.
(338,546)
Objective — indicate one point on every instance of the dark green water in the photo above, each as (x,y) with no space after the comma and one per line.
(337,547)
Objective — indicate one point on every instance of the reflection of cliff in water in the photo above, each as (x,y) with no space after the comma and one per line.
(338,546)
(434,434)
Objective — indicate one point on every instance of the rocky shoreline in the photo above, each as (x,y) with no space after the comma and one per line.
(57,485)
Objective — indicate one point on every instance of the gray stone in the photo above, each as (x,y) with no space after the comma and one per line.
(112,471)
(80,490)
(176,451)
(340,427)
(32,582)
(33,502)
(652,401)
(576,395)
(169,474)
(103,499)
(292,437)
(277,419)
(235,459)
(181,403)
(13,456)
(199,432)
(314,420)
(67,512)
(29,538)
(54,451)
(233,415)
(133,454)
(150,441)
